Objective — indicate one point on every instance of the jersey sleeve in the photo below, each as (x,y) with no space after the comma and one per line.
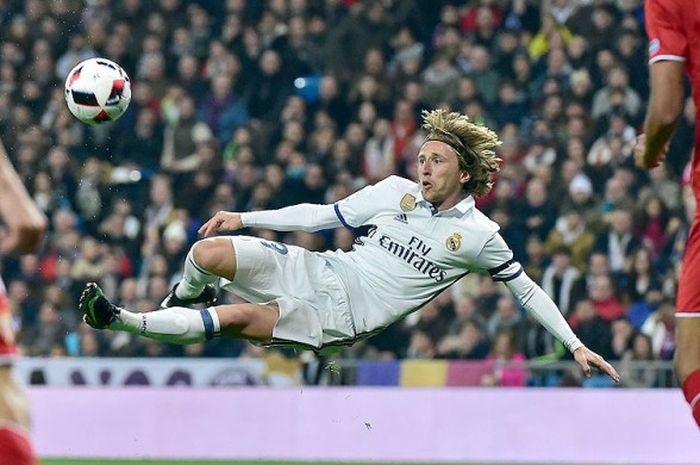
(356,209)
(301,217)
(664,23)
(497,259)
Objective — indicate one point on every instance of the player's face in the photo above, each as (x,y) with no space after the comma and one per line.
(439,175)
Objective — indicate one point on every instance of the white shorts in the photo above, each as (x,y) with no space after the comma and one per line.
(312,301)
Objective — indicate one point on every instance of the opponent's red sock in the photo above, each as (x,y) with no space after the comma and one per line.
(691,389)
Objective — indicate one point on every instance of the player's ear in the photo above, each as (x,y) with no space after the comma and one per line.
(464,177)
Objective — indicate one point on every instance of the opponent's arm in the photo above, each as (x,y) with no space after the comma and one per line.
(304,217)
(665,107)
(26,224)
(533,298)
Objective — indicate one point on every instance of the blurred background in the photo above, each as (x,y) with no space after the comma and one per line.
(246,105)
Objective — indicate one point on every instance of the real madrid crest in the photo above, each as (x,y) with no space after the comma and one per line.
(454,242)
(408,203)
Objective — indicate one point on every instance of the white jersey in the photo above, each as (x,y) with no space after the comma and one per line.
(411,252)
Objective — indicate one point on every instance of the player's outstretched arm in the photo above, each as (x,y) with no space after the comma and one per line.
(497,258)
(25,223)
(304,217)
(665,107)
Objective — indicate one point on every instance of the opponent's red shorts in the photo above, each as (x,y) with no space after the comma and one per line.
(688,300)
(15,448)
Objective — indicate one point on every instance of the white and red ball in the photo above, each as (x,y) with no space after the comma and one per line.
(97,91)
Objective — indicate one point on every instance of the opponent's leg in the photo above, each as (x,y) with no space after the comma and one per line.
(206,261)
(181,325)
(687,356)
(15,447)
(687,361)
(14,406)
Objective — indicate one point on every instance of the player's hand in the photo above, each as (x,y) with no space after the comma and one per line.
(222,221)
(640,158)
(586,357)
(26,239)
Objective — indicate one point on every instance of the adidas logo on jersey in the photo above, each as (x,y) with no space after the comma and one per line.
(401,218)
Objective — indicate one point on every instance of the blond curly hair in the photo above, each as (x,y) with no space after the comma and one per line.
(475,145)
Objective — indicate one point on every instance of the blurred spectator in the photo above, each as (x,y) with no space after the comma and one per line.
(606,304)
(485,78)
(440,81)
(48,331)
(642,277)
(431,322)
(570,232)
(537,214)
(640,352)
(509,369)
(559,280)
(536,258)
(622,336)
(550,35)
(591,328)
(661,186)
(421,346)
(660,327)
(506,317)
(521,15)
(470,343)
(271,89)
(222,110)
(619,242)
(616,96)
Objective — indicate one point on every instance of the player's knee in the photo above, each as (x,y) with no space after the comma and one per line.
(204,253)
(212,254)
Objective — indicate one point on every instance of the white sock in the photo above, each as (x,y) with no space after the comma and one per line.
(193,279)
(177,325)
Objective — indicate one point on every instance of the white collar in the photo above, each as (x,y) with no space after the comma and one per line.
(461,207)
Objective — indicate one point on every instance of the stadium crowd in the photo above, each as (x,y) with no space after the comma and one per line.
(245,105)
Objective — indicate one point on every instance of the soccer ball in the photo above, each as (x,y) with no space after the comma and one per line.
(97,91)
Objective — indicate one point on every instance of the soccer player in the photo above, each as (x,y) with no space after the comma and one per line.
(674,44)
(422,238)
(25,226)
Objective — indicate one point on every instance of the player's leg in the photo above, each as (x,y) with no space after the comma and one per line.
(254,322)
(180,325)
(687,361)
(207,261)
(257,271)
(14,406)
(687,355)
(15,447)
